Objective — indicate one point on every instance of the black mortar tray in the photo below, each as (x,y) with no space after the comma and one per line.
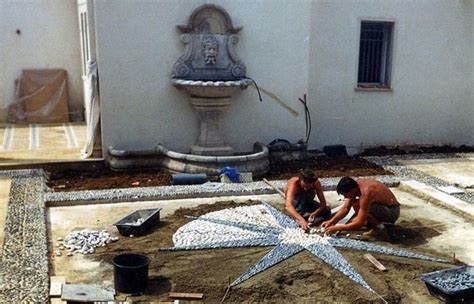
(126,226)
(461,295)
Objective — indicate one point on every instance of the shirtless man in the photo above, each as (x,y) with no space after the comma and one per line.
(373,203)
(300,192)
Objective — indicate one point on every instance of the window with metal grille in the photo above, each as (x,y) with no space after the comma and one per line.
(375,54)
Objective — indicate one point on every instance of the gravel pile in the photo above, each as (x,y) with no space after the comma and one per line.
(84,241)
(452,280)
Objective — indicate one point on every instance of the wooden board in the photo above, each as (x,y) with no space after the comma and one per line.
(374,261)
(186,295)
(41,97)
(274,187)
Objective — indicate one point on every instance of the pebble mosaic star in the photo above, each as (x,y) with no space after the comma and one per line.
(263,225)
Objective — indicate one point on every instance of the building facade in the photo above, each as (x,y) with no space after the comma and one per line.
(374,72)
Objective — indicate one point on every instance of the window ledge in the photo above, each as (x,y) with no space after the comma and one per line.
(373,89)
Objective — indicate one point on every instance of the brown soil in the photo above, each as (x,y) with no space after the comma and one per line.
(382,150)
(105,179)
(301,278)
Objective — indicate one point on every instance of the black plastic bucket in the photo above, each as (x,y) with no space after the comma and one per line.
(130,273)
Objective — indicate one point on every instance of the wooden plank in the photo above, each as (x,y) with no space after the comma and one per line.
(56,301)
(186,295)
(274,187)
(56,285)
(374,261)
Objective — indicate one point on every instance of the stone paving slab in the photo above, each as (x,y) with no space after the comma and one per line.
(433,195)
(458,171)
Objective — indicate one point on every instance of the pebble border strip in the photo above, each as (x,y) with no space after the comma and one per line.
(29,194)
(25,270)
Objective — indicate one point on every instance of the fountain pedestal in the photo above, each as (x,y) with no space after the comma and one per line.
(210,100)
(210,113)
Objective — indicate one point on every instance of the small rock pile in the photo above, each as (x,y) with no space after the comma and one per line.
(84,241)
(137,222)
(455,282)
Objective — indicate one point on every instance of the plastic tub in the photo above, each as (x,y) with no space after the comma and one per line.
(138,222)
(130,273)
(454,285)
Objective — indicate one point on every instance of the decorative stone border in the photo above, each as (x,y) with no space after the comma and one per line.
(24,260)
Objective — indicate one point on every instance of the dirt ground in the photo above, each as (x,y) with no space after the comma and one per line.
(106,179)
(301,278)
(325,167)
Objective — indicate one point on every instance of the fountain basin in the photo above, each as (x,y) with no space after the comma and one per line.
(256,163)
(214,89)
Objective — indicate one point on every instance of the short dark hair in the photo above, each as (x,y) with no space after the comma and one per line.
(308,176)
(345,185)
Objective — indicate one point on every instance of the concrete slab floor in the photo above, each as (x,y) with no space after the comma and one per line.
(38,143)
(459,171)
(455,233)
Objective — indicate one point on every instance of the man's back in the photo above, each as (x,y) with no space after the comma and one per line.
(377,192)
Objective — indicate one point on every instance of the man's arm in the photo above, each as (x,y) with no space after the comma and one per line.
(339,215)
(321,198)
(290,197)
(359,220)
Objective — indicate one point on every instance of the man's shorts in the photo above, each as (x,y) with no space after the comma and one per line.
(384,213)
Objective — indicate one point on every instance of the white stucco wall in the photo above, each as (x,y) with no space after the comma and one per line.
(470,10)
(49,39)
(291,48)
(431,101)
(140,108)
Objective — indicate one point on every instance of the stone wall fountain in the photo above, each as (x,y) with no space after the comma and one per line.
(210,72)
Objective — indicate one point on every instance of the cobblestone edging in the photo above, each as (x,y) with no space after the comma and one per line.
(191,191)
(24,271)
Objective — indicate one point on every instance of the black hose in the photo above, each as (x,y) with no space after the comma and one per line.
(188,179)
(256,86)
(307,118)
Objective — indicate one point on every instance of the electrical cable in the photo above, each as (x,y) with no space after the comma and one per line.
(307,117)
(256,86)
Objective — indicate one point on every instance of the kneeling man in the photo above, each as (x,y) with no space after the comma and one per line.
(373,203)
(300,193)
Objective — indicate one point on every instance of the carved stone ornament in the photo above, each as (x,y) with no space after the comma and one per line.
(209,54)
